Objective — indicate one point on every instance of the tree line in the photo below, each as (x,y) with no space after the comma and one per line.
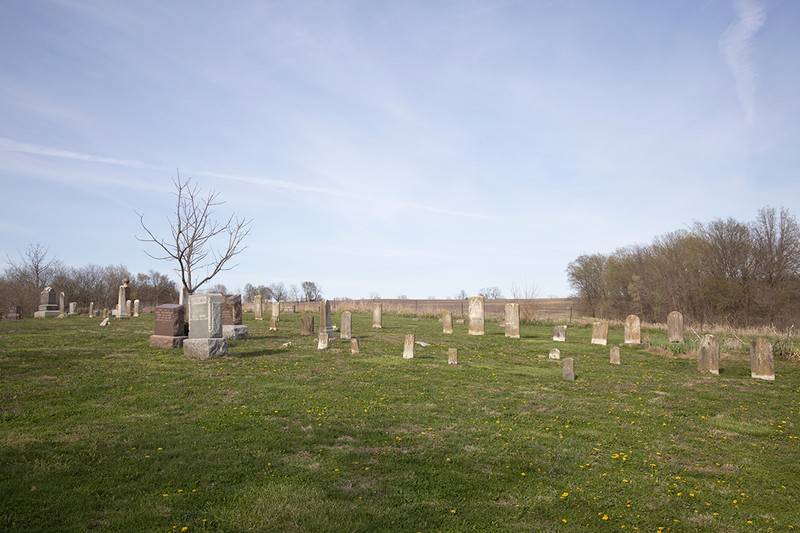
(721,272)
(26,276)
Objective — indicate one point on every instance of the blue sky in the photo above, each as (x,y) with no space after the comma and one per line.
(409,147)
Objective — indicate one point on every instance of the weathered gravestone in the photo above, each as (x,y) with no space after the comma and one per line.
(708,355)
(62,312)
(568,369)
(614,357)
(170,327)
(122,297)
(322,339)
(104,323)
(232,327)
(476,315)
(205,327)
(354,348)
(48,304)
(633,330)
(555,353)
(347,325)
(91,309)
(560,333)
(408,346)
(600,333)
(512,320)
(257,308)
(762,362)
(136,305)
(675,327)
(273,324)
(13,313)
(452,356)
(306,325)
(325,319)
(73,309)
(447,322)
(276,311)
(377,316)
(129,307)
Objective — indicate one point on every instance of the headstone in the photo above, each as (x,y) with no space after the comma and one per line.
(452,356)
(273,324)
(600,333)
(408,347)
(232,327)
(460,321)
(708,355)
(306,325)
(633,330)
(122,297)
(105,312)
(169,329)
(205,327)
(129,307)
(568,369)
(257,307)
(447,322)
(322,338)
(13,313)
(48,304)
(762,362)
(675,327)
(347,325)
(61,305)
(276,311)
(354,348)
(476,315)
(555,353)
(377,315)
(91,309)
(560,333)
(104,323)
(325,319)
(73,308)
(512,320)
(136,305)
(614,358)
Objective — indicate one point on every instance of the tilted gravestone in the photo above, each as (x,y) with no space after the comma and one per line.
(447,322)
(600,333)
(614,356)
(347,325)
(408,346)
(170,327)
(512,320)
(762,362)
(708,355)
(306,325)
(354,348)
(377,316)
(555,353)
(560,333)
(205,327)
(452,356)
(476,315)
(675,327)
(633,330)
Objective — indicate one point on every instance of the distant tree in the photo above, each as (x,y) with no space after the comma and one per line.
(217,288)
(154,288)
(279,292)
(311,291)
(524,290)
(491,293)
(295,293)
(402,297)
(585,275)
(461,295)
(193,234)
(28,275)
(374,296)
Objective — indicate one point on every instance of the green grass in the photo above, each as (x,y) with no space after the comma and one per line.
(100,432)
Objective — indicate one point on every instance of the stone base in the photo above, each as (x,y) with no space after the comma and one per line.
(601,342)
(166,342)
(45,314)
(205,348)
(237,332)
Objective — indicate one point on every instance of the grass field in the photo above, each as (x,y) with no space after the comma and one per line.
(100,432)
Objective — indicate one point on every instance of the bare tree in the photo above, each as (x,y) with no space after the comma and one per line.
(311,291)
(28,275)
(193,235)
(278,291)
(491,293)
(295,292)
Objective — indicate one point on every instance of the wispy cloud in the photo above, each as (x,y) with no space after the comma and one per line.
(11,145)
(736,48)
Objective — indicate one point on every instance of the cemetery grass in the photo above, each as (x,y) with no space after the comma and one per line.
(101,432)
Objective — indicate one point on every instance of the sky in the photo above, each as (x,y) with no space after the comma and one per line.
(389,148)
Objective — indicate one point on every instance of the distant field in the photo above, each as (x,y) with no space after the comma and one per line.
(100,432)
